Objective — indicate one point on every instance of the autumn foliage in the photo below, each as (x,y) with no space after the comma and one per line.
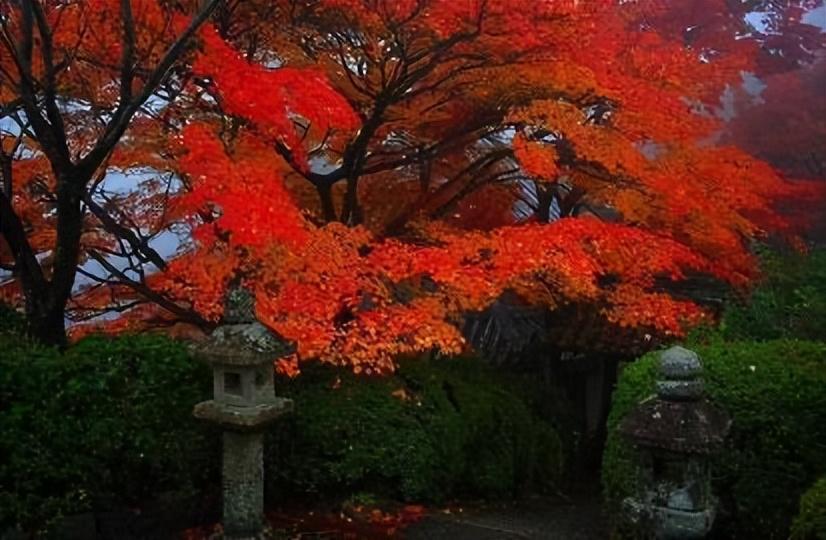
(375,169)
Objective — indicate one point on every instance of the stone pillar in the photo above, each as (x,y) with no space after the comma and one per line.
(243,485)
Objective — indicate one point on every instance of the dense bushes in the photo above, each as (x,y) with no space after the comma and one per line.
(789,303)
(106,424)
(436,429)
(810,524)
(10,320)
(109,424)
(776,394)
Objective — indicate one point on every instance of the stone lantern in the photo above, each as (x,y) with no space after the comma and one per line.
(675,434)
(241,353)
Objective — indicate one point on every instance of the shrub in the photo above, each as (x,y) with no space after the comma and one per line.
(789,303)
(776,394)
(810,523)
(106,424)
(109,424)
(11,321)
(436,429)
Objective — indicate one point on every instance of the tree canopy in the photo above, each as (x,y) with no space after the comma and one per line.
(374,169)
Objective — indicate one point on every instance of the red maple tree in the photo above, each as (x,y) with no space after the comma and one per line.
(74,76)
(375,169)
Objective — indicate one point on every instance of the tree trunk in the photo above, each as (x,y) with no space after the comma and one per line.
(46,323)
(46,303)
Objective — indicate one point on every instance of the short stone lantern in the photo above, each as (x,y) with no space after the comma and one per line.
(675,434)
(241,353)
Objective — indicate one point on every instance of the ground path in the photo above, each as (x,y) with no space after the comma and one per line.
(535,519)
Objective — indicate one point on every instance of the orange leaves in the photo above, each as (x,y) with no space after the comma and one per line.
(418,109)
(443,17)
(87,35)
(629,307)
(384,299)
(199,279)
(375,339)
(288,366)
(536,159)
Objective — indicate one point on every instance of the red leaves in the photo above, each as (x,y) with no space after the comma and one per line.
(270,98)
(248,196)
(346,298)
(602,104)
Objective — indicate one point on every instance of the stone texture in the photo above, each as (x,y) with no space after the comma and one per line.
(239,305)
(670,523)
(243,485)
(673,524)
(242,344)
(241,340)
(699,428)
(679,420)
(674,434)
(678,363)
(242,418)
(241,353)
(680,390)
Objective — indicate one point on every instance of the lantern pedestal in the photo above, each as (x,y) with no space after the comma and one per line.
(243,462)
(243,484)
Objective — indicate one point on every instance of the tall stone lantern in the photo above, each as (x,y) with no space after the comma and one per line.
(241,353)
(675,434)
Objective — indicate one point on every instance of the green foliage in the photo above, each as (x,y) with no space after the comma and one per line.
(810,523)
(776,394)
(11,321)
(789,303)
(436,429)
(107,423)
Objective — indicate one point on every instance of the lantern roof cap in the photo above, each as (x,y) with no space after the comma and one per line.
(678,418)
(679,363)
(688,427)
(242,340)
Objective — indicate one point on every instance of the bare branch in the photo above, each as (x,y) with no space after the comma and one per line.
(151,295)
(126,110)
(127,60)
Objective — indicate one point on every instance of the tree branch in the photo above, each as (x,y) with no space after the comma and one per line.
(123,114)
(127,60)
(12,229)
(149,294)
(141,248)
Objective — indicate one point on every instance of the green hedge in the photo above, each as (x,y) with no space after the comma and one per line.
(437,429)
(11,321)
(109,423)
(776,394)
(790,302)
(810,523)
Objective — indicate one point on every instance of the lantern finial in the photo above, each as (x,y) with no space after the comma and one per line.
(239,304)
(680,371)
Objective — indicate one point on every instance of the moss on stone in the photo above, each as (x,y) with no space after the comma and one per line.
(776,394)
